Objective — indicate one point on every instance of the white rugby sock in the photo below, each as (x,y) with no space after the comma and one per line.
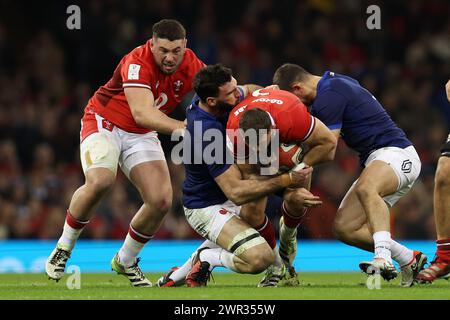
(212,256)
(382,241)
(401,254)
(71,232)
(132,246)
(182,272)
(227,260)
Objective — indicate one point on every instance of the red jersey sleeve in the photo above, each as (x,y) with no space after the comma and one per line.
(136,73)
(298,123)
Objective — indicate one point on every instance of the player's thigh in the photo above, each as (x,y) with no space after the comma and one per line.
(254,212)
(350,215)
(245,242)
(221,225)
(100,150)
(152,179)
(391,172)
(142,161)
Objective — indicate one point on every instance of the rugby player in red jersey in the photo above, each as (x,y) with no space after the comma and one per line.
(119,127)
(440,266)
(277,109)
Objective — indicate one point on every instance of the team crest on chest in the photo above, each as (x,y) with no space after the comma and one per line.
(177,85)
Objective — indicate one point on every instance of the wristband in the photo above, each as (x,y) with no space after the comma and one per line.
(286,180)
(298,167)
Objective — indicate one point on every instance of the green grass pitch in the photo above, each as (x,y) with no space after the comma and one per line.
(226,286)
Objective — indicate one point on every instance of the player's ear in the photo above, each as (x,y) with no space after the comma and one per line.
(152,44)
(210,101)
(297,89)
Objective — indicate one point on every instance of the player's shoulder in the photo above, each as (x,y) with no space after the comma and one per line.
(339,83)
(141,55)
(140,52)
(195,114)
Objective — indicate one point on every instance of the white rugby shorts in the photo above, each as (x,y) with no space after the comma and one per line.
(209,221)
(110,146)
(406,165)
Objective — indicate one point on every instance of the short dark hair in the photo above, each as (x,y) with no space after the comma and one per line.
(289,73)
(255,119)
(207,81)
(169,29)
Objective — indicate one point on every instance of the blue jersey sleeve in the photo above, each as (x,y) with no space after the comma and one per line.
(329,107)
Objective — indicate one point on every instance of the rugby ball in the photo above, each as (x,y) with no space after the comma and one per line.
(289,156)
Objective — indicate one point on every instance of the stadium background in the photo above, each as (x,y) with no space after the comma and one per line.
(47,74)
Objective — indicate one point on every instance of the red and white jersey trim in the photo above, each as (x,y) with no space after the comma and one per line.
(311,128)
(139,85)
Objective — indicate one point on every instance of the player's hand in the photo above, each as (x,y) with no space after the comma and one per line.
(299,177)
(447,90)
(306,199)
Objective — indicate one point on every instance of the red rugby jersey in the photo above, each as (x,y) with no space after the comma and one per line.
(138,69)
(288,114)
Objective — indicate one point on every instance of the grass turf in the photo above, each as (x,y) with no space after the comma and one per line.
(226,286)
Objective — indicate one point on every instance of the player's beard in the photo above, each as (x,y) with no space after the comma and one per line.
(223,107)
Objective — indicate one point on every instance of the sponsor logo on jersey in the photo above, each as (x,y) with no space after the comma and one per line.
(241,109)
(268,100)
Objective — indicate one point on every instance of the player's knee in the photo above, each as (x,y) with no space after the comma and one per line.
(340,228)
(253,215)
(160,204)
(100,184)
(364,190)
(442,178)
(255,220)
(260,259)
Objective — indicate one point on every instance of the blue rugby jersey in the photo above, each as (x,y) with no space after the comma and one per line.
(342,103)
(200,190)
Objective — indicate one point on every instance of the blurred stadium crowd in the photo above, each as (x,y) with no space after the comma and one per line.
(47,74)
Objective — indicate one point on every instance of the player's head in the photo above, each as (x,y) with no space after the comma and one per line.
(217,88)
(168,45)
(260,121)
(295,79)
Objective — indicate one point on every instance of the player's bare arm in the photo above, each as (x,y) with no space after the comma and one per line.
(322,143)
(242,191)
(141,102)
(250,88)
(447,90)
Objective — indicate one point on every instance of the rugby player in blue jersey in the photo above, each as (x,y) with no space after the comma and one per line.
(390,165)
